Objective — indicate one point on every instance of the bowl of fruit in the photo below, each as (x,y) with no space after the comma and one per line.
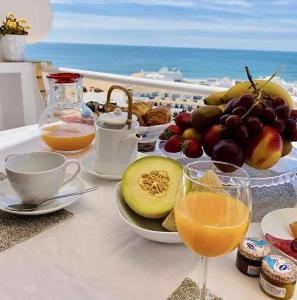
(253,124)
(145,197)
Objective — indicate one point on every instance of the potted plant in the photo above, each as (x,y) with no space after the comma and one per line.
(13,32)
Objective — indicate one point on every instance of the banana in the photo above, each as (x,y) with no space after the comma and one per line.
(222,107)
(270,88)
(214,98)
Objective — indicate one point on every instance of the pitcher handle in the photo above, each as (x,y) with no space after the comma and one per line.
(130,101)
(75,162)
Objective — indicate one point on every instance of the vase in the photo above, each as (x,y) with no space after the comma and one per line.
(13,47)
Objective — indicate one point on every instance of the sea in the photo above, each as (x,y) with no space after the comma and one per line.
(194,63)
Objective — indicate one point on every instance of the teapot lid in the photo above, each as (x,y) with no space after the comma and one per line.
(117,117)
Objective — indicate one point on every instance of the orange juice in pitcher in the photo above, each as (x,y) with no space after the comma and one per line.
(66,124)
(67,136)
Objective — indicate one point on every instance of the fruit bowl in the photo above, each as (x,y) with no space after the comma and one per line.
(150,229)
(284,171)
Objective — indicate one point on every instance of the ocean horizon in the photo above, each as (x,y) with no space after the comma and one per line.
(194,63)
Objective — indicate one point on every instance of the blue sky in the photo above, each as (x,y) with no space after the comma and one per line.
(235,24)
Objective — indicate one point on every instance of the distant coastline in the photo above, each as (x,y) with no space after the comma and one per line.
(175,47)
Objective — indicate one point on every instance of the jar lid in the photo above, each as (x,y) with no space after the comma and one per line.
(117,117)
(64,77)
(254,248)
(279,269)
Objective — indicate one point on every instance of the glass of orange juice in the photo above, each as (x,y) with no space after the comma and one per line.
(212,211)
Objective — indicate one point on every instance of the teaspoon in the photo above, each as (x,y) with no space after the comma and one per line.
(31,207)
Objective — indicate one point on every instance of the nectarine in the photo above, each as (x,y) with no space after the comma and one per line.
(265,149)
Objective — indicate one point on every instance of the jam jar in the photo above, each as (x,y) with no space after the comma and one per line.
(278,277)
(250,254)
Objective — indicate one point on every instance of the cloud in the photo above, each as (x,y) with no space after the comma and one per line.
(213,4)
(283,2)
(76,21)
(170,22)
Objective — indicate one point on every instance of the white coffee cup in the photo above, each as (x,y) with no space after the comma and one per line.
(36,176)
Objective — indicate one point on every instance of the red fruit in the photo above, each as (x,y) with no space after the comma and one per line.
(294,135)
(162,137)
(192,148)
(171,131)
(228,151)
(183,120)
(233,122)
(211,138)
(293,114)
(174,144)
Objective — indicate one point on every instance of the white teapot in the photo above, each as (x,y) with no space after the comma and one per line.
(117,138)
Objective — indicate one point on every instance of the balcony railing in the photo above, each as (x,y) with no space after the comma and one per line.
(152,84)
(180,87)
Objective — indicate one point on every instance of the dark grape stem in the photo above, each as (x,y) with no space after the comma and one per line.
(250,78)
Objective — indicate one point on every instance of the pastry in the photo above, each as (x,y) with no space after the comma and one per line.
(141,108)
(139,118)
(158,116)
(146,115)
(293,227)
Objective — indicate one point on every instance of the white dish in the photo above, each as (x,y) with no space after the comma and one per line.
(147,228)
(88,165)
(277,223)
(8,196)
(151,134)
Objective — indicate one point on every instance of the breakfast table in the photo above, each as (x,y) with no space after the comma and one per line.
(95,255)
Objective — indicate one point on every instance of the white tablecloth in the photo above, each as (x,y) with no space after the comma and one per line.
(94,255)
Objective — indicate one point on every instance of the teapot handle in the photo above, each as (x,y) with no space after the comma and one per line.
(130,101)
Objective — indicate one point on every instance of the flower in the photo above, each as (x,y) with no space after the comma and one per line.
(22,20)
(12,25)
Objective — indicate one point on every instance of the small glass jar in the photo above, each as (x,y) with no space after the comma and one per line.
(278,277)
(250,254)
(66,124)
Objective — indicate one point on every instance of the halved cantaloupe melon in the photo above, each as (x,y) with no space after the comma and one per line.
(150,186)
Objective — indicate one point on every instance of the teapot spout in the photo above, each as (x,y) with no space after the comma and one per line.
(136,137)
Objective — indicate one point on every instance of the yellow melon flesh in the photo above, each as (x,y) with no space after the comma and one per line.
(150,185)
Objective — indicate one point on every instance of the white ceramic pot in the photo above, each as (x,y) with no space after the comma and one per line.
(13,47)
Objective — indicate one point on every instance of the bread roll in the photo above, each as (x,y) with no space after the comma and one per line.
(158,116)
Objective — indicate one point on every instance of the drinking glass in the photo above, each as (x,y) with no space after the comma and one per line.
(212,217)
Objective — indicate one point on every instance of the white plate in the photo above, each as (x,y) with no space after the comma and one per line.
(8,196)
(88,165)
(151,134)
(277,223)
(148,228)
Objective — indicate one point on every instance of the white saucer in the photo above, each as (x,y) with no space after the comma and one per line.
(150,229)
(88,165)
(8,196)
(277,223)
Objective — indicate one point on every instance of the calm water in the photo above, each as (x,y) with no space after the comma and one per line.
(194,63)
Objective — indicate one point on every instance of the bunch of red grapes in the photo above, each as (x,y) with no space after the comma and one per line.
(244,117)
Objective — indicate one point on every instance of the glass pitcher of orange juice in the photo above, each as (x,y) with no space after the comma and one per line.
(66,124)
